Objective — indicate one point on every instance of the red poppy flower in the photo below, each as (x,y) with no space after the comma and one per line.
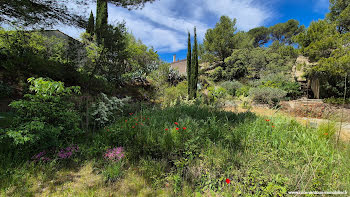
(166,129)
(130,113)
(133,126)
(141,124)
(144,118)
(267,120)
(177,128)
(176,123)
(228,181)
(126,120)
(136,124)
(147,118)
(184,128)
(325,134)
(273,126)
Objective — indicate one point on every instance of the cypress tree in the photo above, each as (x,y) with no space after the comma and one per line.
(91,24)
(189,56)
(101,19)
(194,67)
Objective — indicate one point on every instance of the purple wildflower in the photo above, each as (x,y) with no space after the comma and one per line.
(114,154)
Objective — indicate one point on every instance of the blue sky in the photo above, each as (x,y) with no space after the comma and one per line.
(164,24)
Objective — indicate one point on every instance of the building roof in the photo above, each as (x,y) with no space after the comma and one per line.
(181,66)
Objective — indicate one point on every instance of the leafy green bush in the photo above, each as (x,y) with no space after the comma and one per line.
(282,82)
(216,94)
(46,118)
(243,91)
(217,74)
(174,94)
(232,87)
(106,110)
(267,95)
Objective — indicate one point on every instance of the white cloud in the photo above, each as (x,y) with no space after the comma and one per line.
(164,24)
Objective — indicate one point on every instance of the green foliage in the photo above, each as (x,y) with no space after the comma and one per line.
(337,101)
(175,93)
(261,35)
(280,81)
(189,63)
(220,40)
(339,14)
(232,87)
(5,90)
(217,74)
(113,171)
(194,68)
(101,21)
(215,94)
(108,60)
(319,40)
(46,118)
(256,62)
(267,95)
(141,59)
(243,91)
(90,29)
(106,110)
(283,32)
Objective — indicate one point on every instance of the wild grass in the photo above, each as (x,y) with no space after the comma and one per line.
(260,156)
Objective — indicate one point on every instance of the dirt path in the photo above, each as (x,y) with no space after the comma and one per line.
(314,122)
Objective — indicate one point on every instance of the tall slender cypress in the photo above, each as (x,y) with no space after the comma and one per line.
(189,56)
(91,24)
(194,67)
(101,19)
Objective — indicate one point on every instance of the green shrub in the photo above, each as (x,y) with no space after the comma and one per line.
(46,118)
(216,94)
(113,171)
(174,94)
(232,87)
(337,101)
(106,110)
(243,91)
(267,95)
(217,74)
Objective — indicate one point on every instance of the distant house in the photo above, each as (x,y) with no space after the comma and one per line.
(180,65)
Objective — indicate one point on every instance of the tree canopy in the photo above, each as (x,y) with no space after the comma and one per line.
(283,32)
(340,14)
(220,40)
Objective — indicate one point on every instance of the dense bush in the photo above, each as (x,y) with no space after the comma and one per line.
(283,82)
(217,74)
(106,110)
(267,95)
(174,94)
(215,95)
(243,91)
(45,118)
(5,90)
(232,87)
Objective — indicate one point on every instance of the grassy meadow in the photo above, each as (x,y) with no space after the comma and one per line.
(187,150)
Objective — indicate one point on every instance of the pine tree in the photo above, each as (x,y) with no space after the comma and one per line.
(101,20)
(189,56)
(194,67)
(91,24)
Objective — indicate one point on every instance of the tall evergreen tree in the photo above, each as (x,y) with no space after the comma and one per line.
(189,56)
(194,67)
(101,20)
(91,24)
